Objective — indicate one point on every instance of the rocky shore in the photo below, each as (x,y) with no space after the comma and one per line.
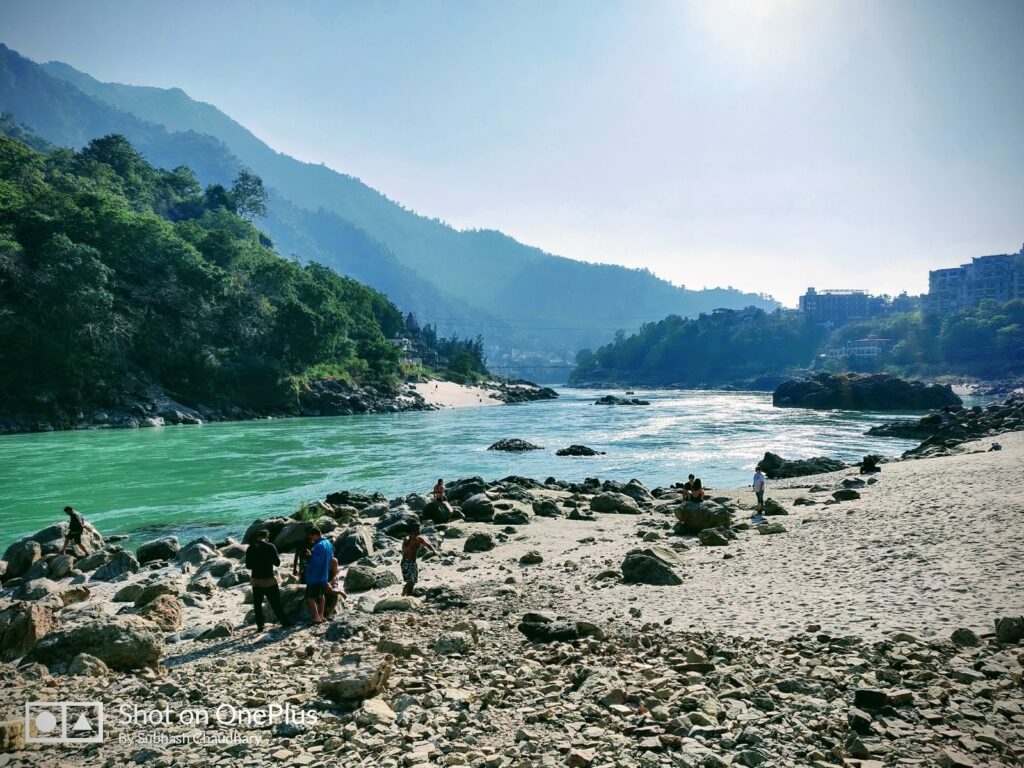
(151,407)
(863,391)
(584,624)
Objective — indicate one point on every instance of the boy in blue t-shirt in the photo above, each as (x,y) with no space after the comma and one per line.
(318,573)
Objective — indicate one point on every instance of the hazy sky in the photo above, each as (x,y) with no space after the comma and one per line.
(764,145)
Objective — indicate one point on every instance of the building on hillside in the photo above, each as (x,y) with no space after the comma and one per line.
(999,277)
(861,349)
(837,307)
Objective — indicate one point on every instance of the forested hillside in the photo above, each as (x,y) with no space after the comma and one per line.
(117,276)
(519,296)
(721,347)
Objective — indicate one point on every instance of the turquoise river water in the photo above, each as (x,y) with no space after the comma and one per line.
(216,478)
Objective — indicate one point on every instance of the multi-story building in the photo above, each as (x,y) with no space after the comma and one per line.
(999,277)
(835,308)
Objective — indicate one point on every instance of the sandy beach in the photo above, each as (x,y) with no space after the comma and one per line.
(448,394)
(931,546)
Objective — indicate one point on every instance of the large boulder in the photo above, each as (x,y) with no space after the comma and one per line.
(775,466)
(354,544)
(360,578)
(21,627)
(164,548)
(119,566)
(646,568)
(196,552)
(21,556)
(293,534)
(51,538)
(618,503)
(397,522)
(578,450)
(165,611)
(511,517)
(478,508)
(694,518)
(121,642)
(61,566)
(148,592)
(438,512)
(464,487)
(355,678)
(545,628)
(478,542)
(863,391)
(272,525)
(514,445)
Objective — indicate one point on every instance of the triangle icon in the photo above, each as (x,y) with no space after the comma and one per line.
(82,724)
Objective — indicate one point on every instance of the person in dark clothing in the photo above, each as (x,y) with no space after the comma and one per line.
(76,527)
(262,559)
(302,555)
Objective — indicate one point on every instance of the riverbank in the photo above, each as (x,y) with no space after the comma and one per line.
(867,625)
(152,407)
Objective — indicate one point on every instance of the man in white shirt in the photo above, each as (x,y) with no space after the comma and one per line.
(759,489)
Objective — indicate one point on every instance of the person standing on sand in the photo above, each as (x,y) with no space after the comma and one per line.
(76,527)
(261,558)
(410,551)
(318,573)
(758,486)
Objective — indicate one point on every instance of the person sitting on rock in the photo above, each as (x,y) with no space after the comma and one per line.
(334,590)
(261,558)
(76,528)
(438,492)
(758,486)
(302,552)
(687,488)
(410,551)
(318,573)
(696,491)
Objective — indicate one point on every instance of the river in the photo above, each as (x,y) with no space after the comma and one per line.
(217,478)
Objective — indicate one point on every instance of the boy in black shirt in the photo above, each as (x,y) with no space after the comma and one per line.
(261,558)
(76,527)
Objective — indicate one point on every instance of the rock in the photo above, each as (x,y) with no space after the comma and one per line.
(965,638)
(845,494)
(61,566)
(465,487)
(857,391)
(951,758)
(713,537)
(21,627)
(21,556)
(478,508)
(770,529)
(196,553)
(12,735)
(694,518)
(453,642)
(121,642)
(776,467)
(86,665)
(511,517)
(403,649)
(219,631)
(397,523)
(580,758)
(292,534)
(272,525)
(1010,629)
(479,542)
(774,508)
(870,698)
(544,628)
(375,711)
(164,610)
(533,557)
(403,603)
(640,568)
(119,566)
(128,593)
(150,591)
(546,508)
(514,445)
(613,400)
(37,589)
(438,512)
(93,561)
(618,503)
(164,548)
(354,544)
(345,627)
(578,450)
(356,677)
(360,578)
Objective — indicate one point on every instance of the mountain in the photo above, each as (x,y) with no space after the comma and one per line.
(525,301)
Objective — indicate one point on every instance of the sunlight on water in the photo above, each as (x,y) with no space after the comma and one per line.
(200,479)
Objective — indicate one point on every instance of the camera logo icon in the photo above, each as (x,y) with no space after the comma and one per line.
(64,722)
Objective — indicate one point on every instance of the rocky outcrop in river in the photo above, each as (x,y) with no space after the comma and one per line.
(862,391)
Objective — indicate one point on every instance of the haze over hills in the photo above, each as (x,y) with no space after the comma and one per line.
(527,303)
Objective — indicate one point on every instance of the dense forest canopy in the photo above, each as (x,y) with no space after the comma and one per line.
(720,346)
(115,273)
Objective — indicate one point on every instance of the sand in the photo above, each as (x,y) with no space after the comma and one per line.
(447,394)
